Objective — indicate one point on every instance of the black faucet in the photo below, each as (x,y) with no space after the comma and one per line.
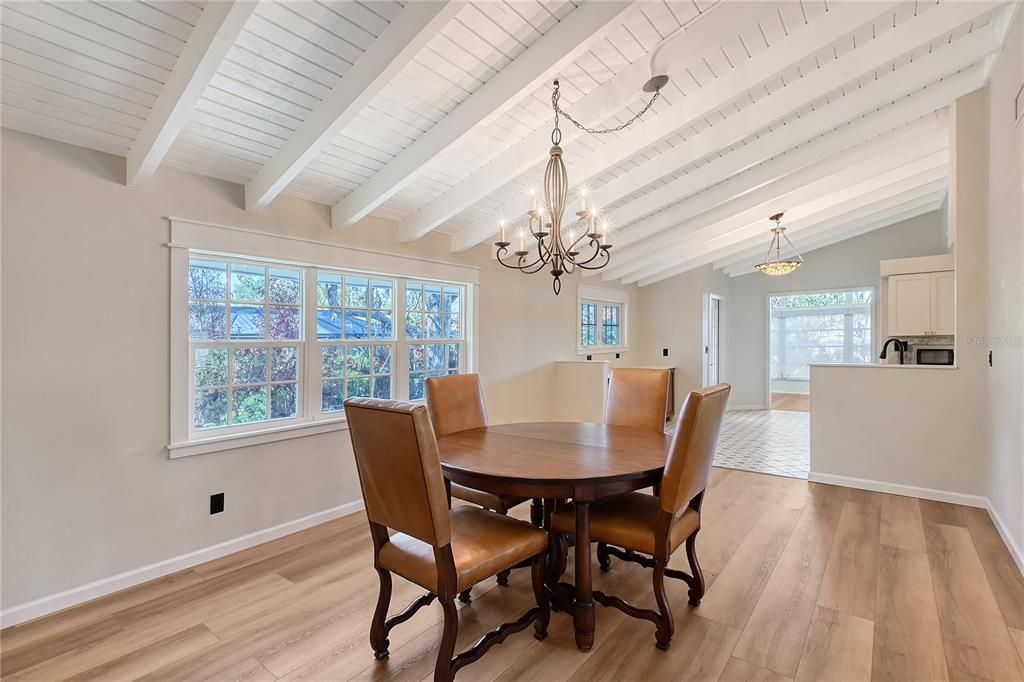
(900,345)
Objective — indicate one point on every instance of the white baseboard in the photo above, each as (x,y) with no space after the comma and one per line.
(931,494)
(77,595)
(1004,533)
(900,489)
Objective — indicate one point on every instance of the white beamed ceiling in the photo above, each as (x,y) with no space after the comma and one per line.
(761,95)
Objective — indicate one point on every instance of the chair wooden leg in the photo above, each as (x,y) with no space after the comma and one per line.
(502,577)
(443,669)
(540,626)
(537,512)
(666,626)
(697,585)
(604,558)
(465,597)
(378,630)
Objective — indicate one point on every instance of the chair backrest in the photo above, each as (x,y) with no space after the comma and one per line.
(456,403)
(693,446)
(399,468)
(637,397)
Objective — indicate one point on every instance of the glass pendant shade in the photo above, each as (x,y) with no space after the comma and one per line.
(774,264)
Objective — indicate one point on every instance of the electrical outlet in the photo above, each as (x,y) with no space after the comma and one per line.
(618,355)
(590,357)
(664,352)
(216,503)
(990,358)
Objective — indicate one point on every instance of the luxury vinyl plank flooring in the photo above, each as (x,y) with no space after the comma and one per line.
(806,582)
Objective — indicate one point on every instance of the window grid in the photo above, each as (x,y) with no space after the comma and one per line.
(601,325)
(251,362)
(820,327)
(244,370)
(435,340)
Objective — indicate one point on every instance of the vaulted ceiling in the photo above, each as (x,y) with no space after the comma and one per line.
(437,115)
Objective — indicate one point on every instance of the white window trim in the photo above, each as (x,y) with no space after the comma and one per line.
(221,240)
(591,294)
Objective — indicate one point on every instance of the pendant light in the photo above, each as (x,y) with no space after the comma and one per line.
(778,265)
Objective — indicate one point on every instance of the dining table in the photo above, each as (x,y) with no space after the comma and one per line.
(555,462)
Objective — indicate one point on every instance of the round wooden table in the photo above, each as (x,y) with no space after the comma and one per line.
(556,461)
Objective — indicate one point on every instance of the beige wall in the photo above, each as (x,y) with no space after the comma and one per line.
(850,263)
(1005,285)
(88,489)
(670,314)
(956,430)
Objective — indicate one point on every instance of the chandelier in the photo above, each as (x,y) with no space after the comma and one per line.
(779,265)
(583,244)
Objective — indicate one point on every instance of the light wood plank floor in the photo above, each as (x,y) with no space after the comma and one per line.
(806,582)
(797,402)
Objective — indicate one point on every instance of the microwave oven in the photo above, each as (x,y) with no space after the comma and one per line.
(933,355)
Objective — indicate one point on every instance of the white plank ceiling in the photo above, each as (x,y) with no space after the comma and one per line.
(436,115)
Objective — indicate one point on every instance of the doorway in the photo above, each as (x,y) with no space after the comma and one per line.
(712,341)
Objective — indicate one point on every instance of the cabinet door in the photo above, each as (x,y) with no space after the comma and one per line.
(943,298)
(909,304)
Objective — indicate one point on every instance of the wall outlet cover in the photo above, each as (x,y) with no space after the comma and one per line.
(216,503)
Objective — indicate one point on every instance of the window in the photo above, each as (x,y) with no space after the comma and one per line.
(602,320)
(433,329)
(355,324)
(827,326)
(275,344)
(244,320)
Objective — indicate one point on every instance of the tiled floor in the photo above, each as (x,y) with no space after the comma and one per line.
(766,441)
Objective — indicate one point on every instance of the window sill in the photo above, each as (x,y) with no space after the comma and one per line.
(242,440)
(602,350)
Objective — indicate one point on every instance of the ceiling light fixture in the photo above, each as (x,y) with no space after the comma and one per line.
(584,244)
(779,265)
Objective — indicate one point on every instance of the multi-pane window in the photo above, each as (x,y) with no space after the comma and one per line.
(601,325)
(826,326)
(588,324)
(352,311)
(244,322)
(253,361)
(434,323)
(610,324)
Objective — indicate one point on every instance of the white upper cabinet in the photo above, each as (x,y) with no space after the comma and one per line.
(943,300)
(922,304)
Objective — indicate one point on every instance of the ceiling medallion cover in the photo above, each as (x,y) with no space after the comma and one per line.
(543,240)
(779,266)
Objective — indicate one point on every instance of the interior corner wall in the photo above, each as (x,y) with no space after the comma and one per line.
(846,264)
(1004,266)
(671,314)
(88,490)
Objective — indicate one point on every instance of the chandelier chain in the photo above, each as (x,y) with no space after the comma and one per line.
(555,96)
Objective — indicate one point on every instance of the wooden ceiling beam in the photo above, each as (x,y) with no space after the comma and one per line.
(551,52)
(861,176)
(409,32)
(855,208)
(214,34)
(882,153)
(703,33)
(927,204)
(860,63)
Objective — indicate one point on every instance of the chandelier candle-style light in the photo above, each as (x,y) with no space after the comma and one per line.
(778,265)
(583,244)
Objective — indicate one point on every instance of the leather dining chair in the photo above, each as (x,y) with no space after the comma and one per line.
(456,403)
(655,525)
(637,398)
(442,550)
